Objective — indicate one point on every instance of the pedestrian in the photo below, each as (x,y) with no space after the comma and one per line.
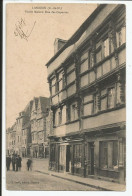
(29,164)
(8,161)
(19,162)
(13,162)
(16,162)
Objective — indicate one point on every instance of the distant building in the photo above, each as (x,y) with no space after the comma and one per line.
(27,137)
(11,140)
(38,126)
(87,91)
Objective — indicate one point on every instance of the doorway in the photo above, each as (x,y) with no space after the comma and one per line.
(91,152)
(68,158)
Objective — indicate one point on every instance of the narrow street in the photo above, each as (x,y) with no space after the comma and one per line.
(33,180)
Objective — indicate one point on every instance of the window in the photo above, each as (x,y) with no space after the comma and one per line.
(53,86)
(98,56)
(106,47)
(87,61)
(73,112)
(121,36)
(111,46)
(71,77)
(103,99)
(98,52)
(70,68)
(91,59)
(77,155)
(52,152)
(95,104)
(62,155)
(88,105)
(109,155)
(58,117)
(60,81)
(111,97)
(107,98)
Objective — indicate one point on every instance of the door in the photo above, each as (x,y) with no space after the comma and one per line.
(68,158)
(91,158)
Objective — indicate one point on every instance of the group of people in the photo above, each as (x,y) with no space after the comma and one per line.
(16,161)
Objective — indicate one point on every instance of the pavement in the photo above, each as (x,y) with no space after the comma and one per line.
(94,183)
(34,181)
(40,166)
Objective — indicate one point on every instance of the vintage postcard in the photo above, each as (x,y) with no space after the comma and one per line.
(65,96)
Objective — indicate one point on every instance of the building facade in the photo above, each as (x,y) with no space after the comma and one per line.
(28,137)
(87,87)
(38,126)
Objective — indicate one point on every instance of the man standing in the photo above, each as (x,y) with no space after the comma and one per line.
(8,161)
(29,164)
(13,162)
(19,162)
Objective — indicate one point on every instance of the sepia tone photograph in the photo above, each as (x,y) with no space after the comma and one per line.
(65,97)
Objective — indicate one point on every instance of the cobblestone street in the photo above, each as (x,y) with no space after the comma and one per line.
(32,180)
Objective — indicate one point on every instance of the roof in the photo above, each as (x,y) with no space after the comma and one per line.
(78,33)
(44,103)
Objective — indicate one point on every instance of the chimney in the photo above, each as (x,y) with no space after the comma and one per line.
(58,44)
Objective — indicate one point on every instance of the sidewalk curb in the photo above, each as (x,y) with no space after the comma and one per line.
(76,181)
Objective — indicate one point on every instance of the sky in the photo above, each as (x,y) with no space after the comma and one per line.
(26,73)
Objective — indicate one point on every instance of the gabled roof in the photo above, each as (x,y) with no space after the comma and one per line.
(43,103)
(28,108)
(35,104)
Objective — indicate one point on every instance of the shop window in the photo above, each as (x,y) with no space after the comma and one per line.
(52,153)
(109,155)
(62,155)
(121,36)
(77,155)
